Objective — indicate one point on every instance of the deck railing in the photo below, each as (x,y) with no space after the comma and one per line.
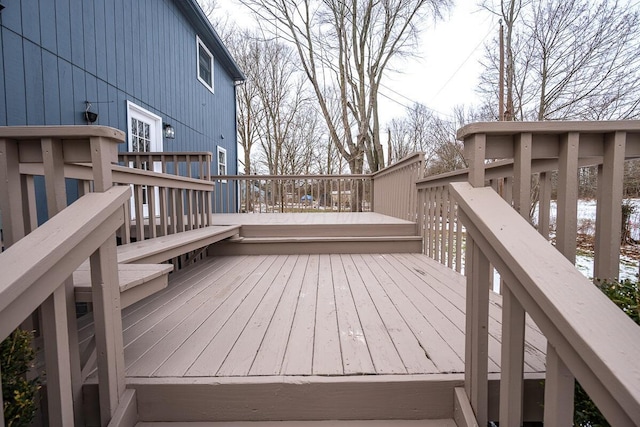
(535,277)
(394,190)
(177,203)
(588,336)
(292,193)
(38,263)
(190,164)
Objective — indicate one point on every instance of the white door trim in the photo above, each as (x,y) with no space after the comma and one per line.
(155,144)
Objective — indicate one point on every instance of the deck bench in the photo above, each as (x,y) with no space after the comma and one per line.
(137,281)
(164,248)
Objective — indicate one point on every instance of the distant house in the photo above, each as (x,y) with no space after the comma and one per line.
(141,66)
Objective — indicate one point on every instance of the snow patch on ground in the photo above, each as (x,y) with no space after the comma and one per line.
(586,224)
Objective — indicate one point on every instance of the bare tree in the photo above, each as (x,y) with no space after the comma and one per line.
(347,45)
(250,111)
(209,7)
(571,59)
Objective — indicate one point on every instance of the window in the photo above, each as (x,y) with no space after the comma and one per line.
(205,65)
(222,161)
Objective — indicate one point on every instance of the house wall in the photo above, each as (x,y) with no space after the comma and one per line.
(56,54)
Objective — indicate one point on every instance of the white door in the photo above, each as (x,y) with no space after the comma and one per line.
(145,135)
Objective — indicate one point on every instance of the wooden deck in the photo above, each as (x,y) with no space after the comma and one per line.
(347,336)
(327,315)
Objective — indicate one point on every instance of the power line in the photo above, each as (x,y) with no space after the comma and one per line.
(464,62)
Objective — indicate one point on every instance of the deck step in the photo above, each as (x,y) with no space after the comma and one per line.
(357,423)
(137,281)
(317,245)
(329,230)
(295,398)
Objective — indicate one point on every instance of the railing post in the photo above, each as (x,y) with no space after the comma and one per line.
(477,331)
(10,192)
(474,149)
(53,162)
(567,196)
(522,174)
(609,207)
(106,297)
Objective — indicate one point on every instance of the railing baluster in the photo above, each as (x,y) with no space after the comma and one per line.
(139,207)
(476,331)
(451,228)
(544,204)
(512,359)
(558,391)
(567,204)
(609,211)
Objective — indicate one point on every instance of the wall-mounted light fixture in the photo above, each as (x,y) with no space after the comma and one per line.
(89,116)
(169,131)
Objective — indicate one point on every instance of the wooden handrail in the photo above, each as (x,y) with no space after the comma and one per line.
(410,159)
(38,263)
(124,175)
(596,340)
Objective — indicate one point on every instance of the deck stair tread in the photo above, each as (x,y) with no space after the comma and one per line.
(136,281)
(333,423)
(324,239)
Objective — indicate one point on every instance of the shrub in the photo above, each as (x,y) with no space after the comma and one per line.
(19,394)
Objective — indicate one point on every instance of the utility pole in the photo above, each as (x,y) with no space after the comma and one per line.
(501,77)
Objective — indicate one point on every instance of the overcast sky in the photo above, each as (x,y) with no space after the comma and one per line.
(446,72)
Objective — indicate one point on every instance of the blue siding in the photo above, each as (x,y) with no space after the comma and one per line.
(58,53)
(48,25)
(12,18)
(77,32)
(65,79)
(63,32)
(51,82)
(34,83)
(89,36)
(14,78)
(30,19)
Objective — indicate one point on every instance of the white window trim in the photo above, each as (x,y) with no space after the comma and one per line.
(226,160)
(204,46)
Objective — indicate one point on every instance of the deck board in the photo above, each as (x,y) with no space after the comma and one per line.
(326,315)
(327,354)
(270,355)
(298,356)
(405,342)
(384,355)
(162,339)
(208,328)
(242,355)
